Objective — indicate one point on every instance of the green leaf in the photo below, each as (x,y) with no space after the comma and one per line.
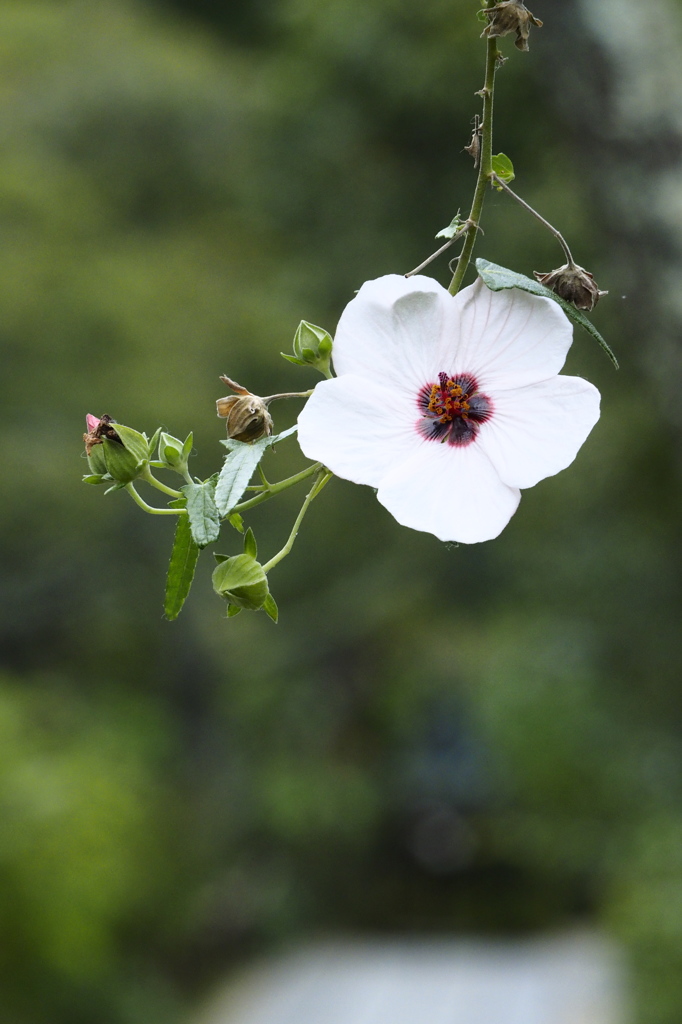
(202,513)
(270,606)
(239,467)
(503,167)
(220,558)
(453,227)
(183,562)
(237,521)
(499,278)
(232,610)
(250,546)
(482,16)
(96,478)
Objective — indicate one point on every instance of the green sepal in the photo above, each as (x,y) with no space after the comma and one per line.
(241,581)
(232,610)
(499,278)
(293,359)
(270,607)
(154,440)
(133,442)
(187,446)
(503,168)
(220,558)
(96,478)
(482,16)
(237,521)
(250,546)
(202,513)
(182,565)
(118,486)
(97,461)
(239,467)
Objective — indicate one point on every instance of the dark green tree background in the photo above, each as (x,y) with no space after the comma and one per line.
(481,739)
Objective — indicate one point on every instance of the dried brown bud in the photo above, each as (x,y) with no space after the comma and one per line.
(573,284)
(510,16)
(474,147)
(246,414)
(97,429)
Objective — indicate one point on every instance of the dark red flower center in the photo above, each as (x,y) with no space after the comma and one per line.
(453,409)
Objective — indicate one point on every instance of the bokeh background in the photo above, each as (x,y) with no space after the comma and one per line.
(481,740)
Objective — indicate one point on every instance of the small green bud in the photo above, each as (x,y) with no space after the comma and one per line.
(171,452)
(125,456)
(312,347)
(242,582)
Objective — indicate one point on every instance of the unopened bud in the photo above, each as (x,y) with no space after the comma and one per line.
(510,16)
(242,582)
(574,284)
(312,347)
(246,414)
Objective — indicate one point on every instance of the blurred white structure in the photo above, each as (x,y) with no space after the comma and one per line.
(574,980)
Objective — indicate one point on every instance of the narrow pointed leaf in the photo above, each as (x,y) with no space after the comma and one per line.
(239,467)
(183,562)
(232,610)
(204,520)
(270,606)
(498,278)
(250,546)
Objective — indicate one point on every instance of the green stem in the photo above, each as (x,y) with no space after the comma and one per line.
(522,202)
(149,478)
(274,489)
(149,508)
(485,169)
(322,479)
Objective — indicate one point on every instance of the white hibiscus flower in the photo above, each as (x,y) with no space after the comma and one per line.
(448,404)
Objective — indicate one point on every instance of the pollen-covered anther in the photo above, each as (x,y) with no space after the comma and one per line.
(453,409)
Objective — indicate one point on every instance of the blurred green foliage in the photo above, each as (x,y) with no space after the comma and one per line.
(481,738)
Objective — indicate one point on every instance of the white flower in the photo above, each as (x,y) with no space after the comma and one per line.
(448,405)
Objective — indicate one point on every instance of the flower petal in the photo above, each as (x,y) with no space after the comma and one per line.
(357,429)
(537,431)
(391,331)
(455,494)
(506,339)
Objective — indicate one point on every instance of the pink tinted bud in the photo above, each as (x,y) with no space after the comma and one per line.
(91,423)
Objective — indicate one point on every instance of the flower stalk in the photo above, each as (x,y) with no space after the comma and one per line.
(485,170)
(150,508)
(322,479)
(522,202)
(272,489)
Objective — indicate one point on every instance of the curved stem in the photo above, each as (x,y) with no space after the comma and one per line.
(274,489)
(149,477)
(485,170)
(289,394)
(323,478)
(149,508)
(437,253)
(557,234)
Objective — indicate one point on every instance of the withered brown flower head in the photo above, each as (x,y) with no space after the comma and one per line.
(574,284)
(510,16)
(246,414)
(97,429)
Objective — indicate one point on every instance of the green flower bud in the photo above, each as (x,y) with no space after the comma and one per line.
(127,458)
(242,582)
(312,347)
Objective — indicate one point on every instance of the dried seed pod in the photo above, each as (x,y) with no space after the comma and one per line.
(574,284)
(246,414)
(510,16)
